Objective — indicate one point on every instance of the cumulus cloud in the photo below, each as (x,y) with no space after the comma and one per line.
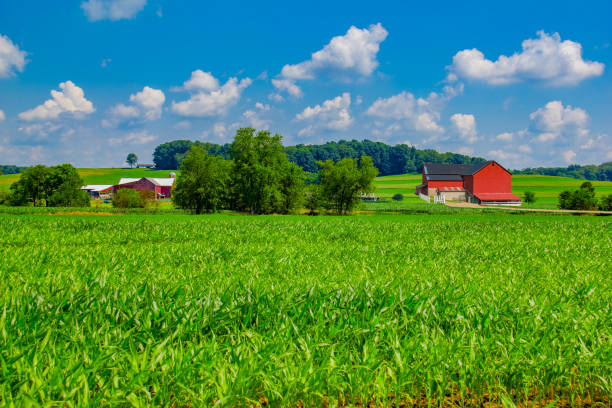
(352,53)
(145,105)
(254,117)
(207,98)
(554,119)
(2,116)
(332,114)
(505,137)
(11,57)
(465,125)
(568,155)
(546,59)
(113,10)
(134,138)
(70,100)
(201,81)
(149,101)
(421,114)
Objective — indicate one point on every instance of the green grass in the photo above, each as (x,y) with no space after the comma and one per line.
(133,310)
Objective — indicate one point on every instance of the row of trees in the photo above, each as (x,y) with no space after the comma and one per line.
(584,199)
(258,178)
(397,159)
(603,172)
(56,186)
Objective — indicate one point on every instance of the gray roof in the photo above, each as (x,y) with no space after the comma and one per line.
(445,177)
(452,169)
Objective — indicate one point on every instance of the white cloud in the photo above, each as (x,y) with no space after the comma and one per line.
(524,148)
(427,123)
(352,53)
(70,100)
(568,155)
(184,124)
(146,105)
(105,62)
(113,10)
(206,100)
(505,137)
(11,57)
(546,59)
(465,125)
(276,97)
(2,116)
(554,119)
(150,101)
(121,111)
(135,138)
(220,130)
(468,151)
(254,117)
(332,114)
(262,106)
(420,114)
(201,81)
(289,86)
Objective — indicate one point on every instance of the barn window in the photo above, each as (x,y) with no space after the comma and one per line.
(492,164)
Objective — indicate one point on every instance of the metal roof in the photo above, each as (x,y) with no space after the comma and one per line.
(164,182)
(96,187)
(444,177)
(456,169)
(127,180)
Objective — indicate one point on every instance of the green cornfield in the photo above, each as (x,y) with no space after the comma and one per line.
(459,310)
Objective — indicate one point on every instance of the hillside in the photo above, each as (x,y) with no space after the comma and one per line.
(546,188)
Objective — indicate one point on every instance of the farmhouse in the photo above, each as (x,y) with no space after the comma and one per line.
(482,183)
(161,187)
(98,190)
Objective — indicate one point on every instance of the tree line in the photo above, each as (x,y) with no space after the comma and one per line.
(398,159)
(42,186)
(257,177)
(603,172)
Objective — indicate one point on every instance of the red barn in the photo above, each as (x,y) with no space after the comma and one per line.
(161,187)
(483,183)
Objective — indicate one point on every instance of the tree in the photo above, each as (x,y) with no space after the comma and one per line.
(57,186)
(529,197)
(168,156)
(204,182)
(606,203)
(263,180)
(342,181)
(581,199)
(131,159)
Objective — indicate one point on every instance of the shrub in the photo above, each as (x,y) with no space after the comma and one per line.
(529,197)
(581,199)
(606,203)
(397,197)
(130,198)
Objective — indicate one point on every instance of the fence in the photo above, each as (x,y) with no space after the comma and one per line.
(439,199)
(424,197)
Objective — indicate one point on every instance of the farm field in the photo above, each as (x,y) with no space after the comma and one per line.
(97,176)
(546,188)
(175,310)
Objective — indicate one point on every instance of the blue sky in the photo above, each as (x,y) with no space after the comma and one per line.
(525,83)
